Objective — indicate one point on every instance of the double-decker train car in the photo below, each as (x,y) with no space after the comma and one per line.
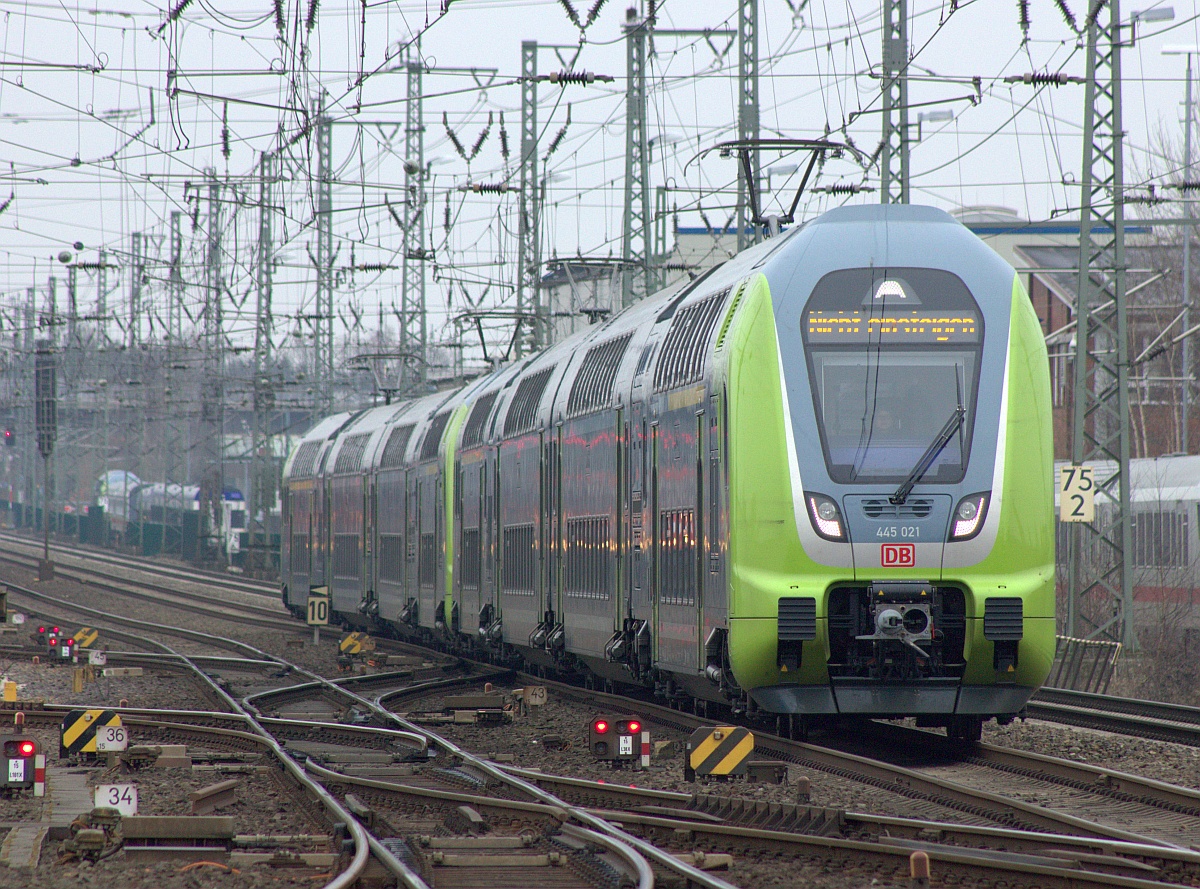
(814,481)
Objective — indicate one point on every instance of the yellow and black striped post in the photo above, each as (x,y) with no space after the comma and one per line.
(721,750)
(79,730)
(356,643)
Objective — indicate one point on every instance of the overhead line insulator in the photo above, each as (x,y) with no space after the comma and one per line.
(844,188)
(1068,16)
(488,187)
(1043,78)
(582,78)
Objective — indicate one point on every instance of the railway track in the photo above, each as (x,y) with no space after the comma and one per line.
(273,617)
(186,573)
(1157,721)
(1102,852)
(1120,807)
(733,825)
(611,858)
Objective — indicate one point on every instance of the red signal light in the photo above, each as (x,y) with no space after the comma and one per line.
(600,727)
(41,629)
(634,727)
(26,748)
(54,630)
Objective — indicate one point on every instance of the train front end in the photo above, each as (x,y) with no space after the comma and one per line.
(891,509)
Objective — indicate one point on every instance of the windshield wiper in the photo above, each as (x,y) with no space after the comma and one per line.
(931,454)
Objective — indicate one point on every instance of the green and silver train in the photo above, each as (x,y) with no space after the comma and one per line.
(815,481)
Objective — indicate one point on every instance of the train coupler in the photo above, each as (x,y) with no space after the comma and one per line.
(491,629)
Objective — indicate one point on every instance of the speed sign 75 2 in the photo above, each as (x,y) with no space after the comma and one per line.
(1076,494)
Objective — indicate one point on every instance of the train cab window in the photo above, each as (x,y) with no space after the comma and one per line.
(892,355)
(237,518)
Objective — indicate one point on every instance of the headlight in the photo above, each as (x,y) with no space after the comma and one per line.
(826,517)
(968,516)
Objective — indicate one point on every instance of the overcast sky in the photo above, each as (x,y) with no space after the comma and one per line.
(98,148)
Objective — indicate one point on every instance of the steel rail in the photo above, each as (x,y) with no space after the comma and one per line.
(1111,703)
(193,635)
(276,621)
(362,849)
(420,687)
(1172,723)
(1078,775)
(584,817)
(896,833)
(889,777)
(1044,867)
(897,827)
(238,584)
(695,875)
(644,874)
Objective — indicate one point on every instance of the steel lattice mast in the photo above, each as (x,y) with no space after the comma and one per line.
(635,238)
(747,113)
(323,357)
(893,157)
(212,399)
(262,478)
(413,324)
(175,464)
(1100,596)
(530,335)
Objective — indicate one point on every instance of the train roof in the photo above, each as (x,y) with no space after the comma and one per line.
(604,364)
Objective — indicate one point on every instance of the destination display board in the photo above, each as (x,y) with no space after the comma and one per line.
(853,327)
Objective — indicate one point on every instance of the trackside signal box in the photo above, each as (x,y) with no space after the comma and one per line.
(616,739)
(22,765)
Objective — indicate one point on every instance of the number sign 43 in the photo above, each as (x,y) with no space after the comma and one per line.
(1076,494)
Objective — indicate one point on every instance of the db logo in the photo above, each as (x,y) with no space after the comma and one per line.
(898,555)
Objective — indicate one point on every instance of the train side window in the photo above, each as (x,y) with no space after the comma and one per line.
(589,542)
(426,561)
(391,557)
(471,558)
(677,547)
(518,572)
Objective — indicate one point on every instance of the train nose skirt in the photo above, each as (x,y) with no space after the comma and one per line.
(858,697)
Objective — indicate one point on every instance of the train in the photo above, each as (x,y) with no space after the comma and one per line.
(159,503)
(131,504)
(813,482)
(1164,552)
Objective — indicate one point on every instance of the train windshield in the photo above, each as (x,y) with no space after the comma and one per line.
(893,354)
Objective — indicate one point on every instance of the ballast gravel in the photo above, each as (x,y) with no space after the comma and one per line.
(568,720)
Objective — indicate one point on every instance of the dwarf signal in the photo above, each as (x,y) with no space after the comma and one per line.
(619,739)
(22,766)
